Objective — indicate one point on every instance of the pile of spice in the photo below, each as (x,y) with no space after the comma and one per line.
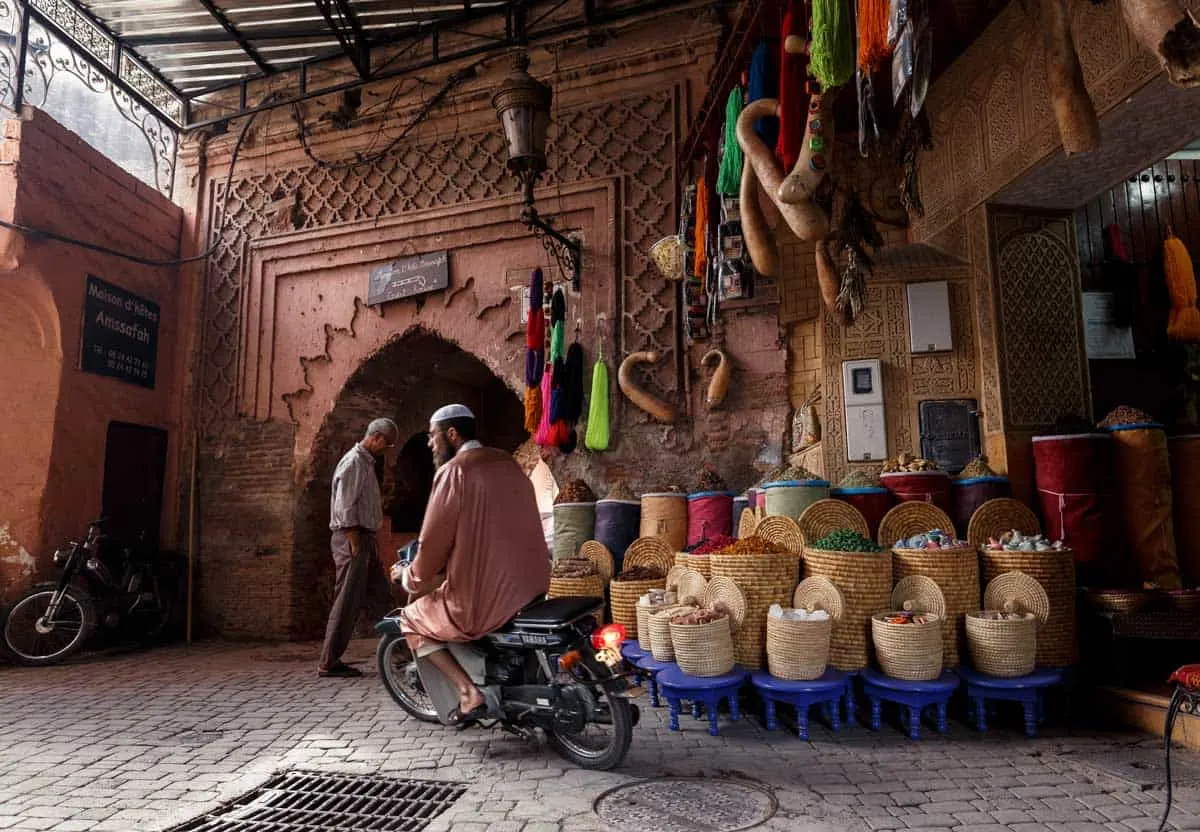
(860,479)
(935,539)
(1124,415)
(713,544)
(1014,541)
(573,568)
(620,490)
(576,491)
(903,617)
(699,617)
(752,545)
(641,573)
(791,473)
(977,467)
(710,480)
(906,463)
(845,540)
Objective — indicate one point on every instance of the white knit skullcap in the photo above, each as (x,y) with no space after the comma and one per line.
(451,411)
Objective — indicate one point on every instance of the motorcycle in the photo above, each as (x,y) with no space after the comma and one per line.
(551,668)
(103,582)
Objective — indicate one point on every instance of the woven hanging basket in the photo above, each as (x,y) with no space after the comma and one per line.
(782,531)
(1055,572)
(826,516)
(800,649)
(912,518)
(999,516)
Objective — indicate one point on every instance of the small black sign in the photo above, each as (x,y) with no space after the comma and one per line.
(120,334)
(950,432)
(409,277)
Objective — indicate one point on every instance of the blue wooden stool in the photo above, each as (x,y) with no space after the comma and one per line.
(829,691)
(652,668)
(1026,690)
(677,686)
(915,697)
(631,651)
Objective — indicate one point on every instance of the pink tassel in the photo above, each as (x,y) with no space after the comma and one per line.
(545,436)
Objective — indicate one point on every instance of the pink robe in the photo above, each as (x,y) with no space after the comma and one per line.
(483,530)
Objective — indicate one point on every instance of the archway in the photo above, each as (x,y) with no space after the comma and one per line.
(406,380)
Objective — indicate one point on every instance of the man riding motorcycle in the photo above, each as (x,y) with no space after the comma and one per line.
(481,558)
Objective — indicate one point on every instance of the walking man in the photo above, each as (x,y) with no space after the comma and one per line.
(355,515)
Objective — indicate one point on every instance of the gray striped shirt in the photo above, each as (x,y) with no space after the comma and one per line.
(355,501)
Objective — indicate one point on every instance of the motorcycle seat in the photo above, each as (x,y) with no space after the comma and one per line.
(554,612)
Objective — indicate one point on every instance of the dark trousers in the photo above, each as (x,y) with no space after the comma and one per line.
(358,579)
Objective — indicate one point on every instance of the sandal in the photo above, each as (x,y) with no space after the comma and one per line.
(340,670)
(459,721)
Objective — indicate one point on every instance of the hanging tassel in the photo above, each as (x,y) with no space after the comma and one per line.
(543,436)
(729,177)
(831,60)
(761,84)
(535,364)
(1183,323)
(1119,276)
(792,105)
(571,409)
(597,428)
(873,47)
(533,409)
(558,375)
(700,267)
(558,336)
(558,307)
(535,327)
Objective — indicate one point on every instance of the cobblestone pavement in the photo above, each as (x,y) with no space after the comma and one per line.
(142,741)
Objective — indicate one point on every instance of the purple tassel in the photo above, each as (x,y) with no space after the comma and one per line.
(535,364)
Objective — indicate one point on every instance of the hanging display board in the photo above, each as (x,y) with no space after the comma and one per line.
(409,277)
(120,334)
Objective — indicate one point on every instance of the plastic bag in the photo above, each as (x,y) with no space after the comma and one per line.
(902,63)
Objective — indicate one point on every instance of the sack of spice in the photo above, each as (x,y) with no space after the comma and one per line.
(620,490)
(976,468)
(573,568)
(575,491)
(752,545)
(845,540)
(710,480)
(1124,415)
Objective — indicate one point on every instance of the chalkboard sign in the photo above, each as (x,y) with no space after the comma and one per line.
(950,432)
(409,277)
(120,334)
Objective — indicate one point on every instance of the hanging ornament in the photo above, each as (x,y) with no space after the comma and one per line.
(791,89)
(1183,322)
(831,59)
(729,177)
(597,437)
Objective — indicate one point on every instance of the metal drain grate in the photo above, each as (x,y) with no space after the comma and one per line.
(303,801)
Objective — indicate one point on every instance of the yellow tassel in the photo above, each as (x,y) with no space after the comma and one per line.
(1183,322)
(533,409)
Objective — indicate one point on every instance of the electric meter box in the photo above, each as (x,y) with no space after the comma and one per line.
(862,398)
(929,317)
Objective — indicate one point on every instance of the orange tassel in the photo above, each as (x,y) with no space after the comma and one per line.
(533,409)
(701,261)
(873,47)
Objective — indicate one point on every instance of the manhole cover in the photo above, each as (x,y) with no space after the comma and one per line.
(301,801)
(681,804)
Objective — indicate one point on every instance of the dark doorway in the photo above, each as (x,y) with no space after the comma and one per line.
(413,481)
(135,457)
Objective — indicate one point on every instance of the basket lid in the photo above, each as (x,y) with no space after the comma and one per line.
(673,577)
(649,551)
(598,553)
(1000,515)
(918,593)
(1017,592)
(690,587)
(913,518)
(782,531)
(829,515)
(748,523)
(819,593)
(727,594)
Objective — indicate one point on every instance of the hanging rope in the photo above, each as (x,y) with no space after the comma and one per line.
(792,104)
(873,47)
(832,58)
(729,178)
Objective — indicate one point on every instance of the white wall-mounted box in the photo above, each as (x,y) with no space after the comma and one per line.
(862,399)
(929,317)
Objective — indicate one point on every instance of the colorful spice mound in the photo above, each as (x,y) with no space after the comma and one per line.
(713,544)
(977,467)
(788,473)
(1126,416)
(907,618)
(710,480)
(1014,541)
(641,573)
(906,463)
(620,490)
(576,491)
(860,479)
(699,617)
(573,568)
(936,539)
(845,540)
(752,545)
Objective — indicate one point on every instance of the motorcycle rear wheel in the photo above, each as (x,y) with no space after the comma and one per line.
(603,756)
(28,646)
(398,670)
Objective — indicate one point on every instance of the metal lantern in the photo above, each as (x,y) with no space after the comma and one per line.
(523,106)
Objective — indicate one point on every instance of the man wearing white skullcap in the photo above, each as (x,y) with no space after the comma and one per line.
(481,558)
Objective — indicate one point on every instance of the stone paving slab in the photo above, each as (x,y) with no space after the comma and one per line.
(143,741)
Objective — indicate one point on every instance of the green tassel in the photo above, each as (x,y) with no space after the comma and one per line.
(597,427)
(832,58)
(558,342)
(729,178)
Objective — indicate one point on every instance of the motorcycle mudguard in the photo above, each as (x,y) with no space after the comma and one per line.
(388,626)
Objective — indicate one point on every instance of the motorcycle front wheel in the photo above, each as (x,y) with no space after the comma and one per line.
(398,670)
(32,641)
(604,740)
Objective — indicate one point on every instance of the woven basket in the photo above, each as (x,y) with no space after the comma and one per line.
(800,649)
(765,580)
(956,572)
(690,587)
(782,531)
(591,586)
(708,649)
(697,563)
(912,652)
(623,599)
(644,612)
(598,553)
(825,516)
(649,551)
(1003,514)
(748,523)
(865,583)
(1008,648)
(661,646)
(1055,571)
(912,518)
